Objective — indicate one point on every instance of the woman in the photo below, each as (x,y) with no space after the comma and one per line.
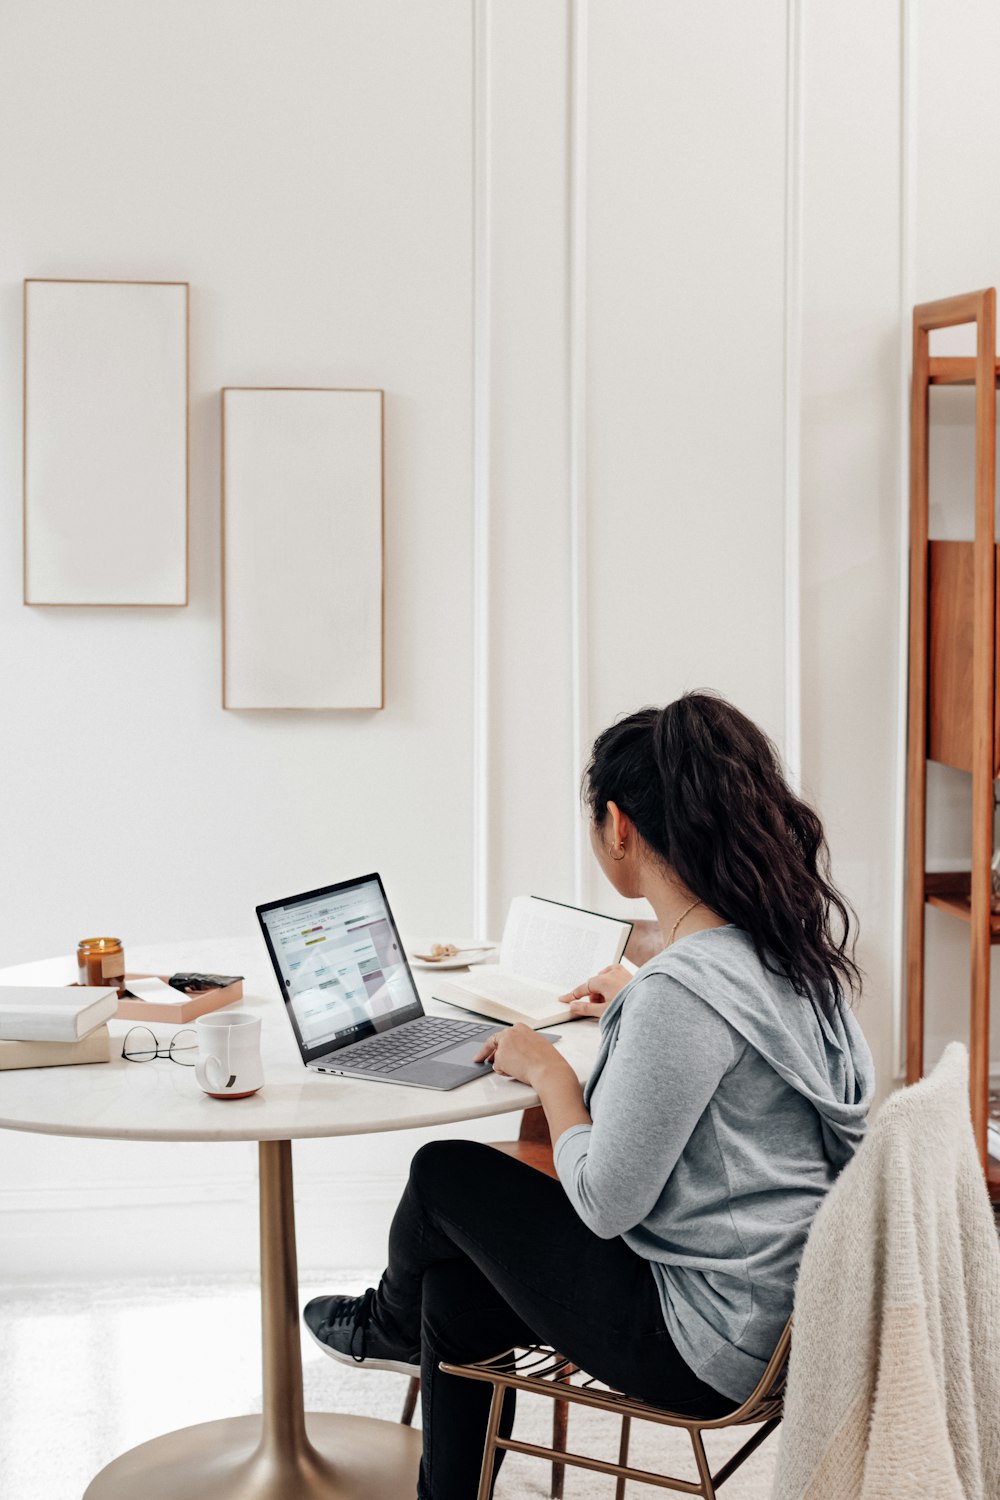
(731,1087)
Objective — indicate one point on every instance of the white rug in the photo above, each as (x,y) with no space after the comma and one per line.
(88,1372)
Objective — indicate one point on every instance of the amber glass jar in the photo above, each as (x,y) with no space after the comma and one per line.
(101,961)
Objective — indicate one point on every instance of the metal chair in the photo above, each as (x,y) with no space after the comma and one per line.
(534,1147)
(541,1371)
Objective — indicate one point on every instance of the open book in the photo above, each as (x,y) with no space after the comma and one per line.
(547,949)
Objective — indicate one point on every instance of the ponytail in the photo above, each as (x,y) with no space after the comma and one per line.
(705,789)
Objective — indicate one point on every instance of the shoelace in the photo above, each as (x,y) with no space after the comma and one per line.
(360,1316)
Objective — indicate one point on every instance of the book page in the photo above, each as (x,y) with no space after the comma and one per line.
(532,998)
(559,945)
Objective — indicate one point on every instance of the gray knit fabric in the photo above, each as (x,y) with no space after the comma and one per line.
(723,1107)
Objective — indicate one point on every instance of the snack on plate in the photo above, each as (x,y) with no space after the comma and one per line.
(443,950)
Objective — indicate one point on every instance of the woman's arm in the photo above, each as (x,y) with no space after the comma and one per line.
(672,1052)
(561,1095)
(519,1052)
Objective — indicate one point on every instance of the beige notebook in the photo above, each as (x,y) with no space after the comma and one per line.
(547,950)
(95,1048)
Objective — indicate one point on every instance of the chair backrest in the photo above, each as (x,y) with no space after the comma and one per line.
(765,1400)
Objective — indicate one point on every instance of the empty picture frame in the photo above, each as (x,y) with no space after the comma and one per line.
(302,548)
(105,442)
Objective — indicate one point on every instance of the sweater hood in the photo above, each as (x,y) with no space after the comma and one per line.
(824,1058)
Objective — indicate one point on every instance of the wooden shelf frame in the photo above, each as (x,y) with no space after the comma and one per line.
(949,892)
(968,899)
(956,371)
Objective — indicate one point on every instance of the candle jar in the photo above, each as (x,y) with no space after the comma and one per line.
(101,961)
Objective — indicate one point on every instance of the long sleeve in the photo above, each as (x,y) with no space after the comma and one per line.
(723,1104)
(671,1053)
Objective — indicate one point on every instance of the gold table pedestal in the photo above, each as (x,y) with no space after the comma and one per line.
(282,1454)
(343,1457)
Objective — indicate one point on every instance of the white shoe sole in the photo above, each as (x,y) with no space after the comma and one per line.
(397,1366)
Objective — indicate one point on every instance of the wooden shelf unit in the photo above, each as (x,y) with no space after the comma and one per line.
(954,705)
(949,892)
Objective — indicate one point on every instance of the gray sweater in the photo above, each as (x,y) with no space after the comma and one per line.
(723,1107)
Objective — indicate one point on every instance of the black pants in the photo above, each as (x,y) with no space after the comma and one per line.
(485,1253)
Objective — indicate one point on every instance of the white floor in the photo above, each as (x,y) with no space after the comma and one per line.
(90,1371)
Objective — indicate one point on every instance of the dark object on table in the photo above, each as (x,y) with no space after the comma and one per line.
(202,981)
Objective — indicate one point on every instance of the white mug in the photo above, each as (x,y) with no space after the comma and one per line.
(229,1064)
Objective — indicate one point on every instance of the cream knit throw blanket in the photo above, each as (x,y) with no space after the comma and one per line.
(894,1378)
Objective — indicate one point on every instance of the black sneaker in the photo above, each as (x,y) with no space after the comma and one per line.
(347,1329)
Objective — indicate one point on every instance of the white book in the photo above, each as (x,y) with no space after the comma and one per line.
(993,1139)
(547,949)
(46,1013)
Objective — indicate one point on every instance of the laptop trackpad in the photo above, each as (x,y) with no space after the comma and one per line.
(431,1074)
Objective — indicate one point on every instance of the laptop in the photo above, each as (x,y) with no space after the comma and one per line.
(350,996)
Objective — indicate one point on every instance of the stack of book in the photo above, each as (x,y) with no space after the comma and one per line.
(44,1027)
(993,1125)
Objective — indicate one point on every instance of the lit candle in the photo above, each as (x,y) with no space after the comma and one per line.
(101,961)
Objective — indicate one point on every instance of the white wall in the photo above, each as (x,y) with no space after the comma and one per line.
(308,167)
(633,278)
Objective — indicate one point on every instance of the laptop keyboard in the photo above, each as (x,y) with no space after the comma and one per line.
(392,1049)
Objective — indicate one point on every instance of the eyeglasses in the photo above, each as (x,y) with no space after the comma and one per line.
(140,1045)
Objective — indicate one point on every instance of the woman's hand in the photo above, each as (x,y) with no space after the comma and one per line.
(593,996)
(519,1052)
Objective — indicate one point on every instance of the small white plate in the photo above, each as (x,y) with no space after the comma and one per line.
(460,961)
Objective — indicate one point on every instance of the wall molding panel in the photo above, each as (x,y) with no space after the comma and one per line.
(481,521)
(852,471)
(907,283)
(793,392)
(525,645)
(577,430)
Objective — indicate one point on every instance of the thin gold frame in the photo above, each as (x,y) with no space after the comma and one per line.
(353,390)
(540,1371)
(104,281)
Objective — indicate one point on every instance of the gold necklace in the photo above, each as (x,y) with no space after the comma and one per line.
(680,919)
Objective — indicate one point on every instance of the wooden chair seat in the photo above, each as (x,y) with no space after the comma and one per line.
(532,1153)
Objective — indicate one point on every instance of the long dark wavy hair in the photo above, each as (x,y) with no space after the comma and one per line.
(706,791)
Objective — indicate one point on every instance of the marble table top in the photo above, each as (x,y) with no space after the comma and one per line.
(159,1101)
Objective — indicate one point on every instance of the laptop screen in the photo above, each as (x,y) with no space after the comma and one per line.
(340,964)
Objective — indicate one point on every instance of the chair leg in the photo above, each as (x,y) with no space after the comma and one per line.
(560,1430)
(489,1451)
(410,1400)
(623,1457)
(704,1472)
(560,1425)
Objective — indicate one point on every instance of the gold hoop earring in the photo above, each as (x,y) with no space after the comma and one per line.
(617,857)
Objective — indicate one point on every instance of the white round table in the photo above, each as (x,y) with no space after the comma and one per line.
(283,1454)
